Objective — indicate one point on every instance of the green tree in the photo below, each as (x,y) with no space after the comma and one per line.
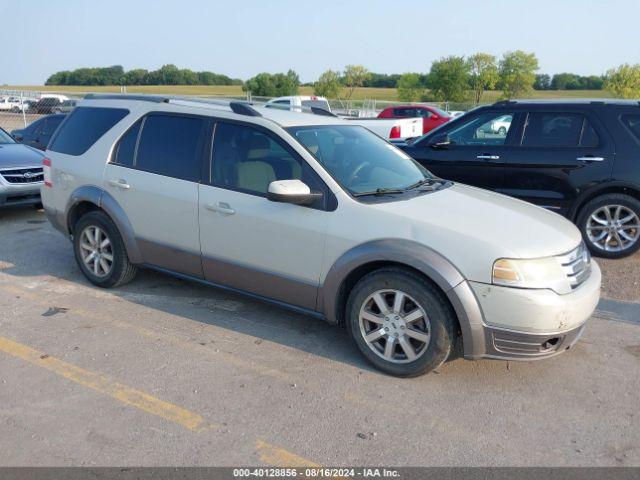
(261,85)
(286,83)
(483,74)
(382,80)
(273,85)
(517,73)
(542,82)
(449,79)
(410,87)
(135,77)
(328,85)
(624,81)
(354,77)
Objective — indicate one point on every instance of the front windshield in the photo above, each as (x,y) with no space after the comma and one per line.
(5,138)
(359,160)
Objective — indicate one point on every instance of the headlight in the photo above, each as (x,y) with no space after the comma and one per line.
(536,273)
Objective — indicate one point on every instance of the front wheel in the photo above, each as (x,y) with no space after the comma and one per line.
(400,322)
(610,225)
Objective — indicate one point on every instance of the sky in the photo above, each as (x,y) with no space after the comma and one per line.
(241,38)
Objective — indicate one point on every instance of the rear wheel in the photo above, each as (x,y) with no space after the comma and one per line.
(100,251)
(610,225)
(400,322)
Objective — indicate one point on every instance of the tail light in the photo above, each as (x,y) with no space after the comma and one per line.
(395,132)
(46,170)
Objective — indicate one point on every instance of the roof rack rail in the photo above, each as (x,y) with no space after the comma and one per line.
(501,103)
(125,96)
(244,108)
(322,111)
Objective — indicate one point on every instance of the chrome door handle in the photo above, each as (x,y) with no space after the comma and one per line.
(220,207)
(120,184)
(590,159)
(488,157)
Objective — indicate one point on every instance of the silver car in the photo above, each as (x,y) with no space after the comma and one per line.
(20,172)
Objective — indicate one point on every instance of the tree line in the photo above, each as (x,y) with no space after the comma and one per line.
(466,79)
(116,75)
(452,78)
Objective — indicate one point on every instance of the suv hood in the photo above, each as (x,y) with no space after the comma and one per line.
(19,155)
(467,221)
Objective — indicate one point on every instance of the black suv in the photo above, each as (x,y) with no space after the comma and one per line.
(579,158)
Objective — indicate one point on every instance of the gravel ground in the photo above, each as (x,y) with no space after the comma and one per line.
(621,278)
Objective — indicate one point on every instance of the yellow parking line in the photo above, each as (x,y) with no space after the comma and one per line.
(279,457)
(156,335)
(106,386)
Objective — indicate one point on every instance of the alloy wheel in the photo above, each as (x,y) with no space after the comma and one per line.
(96,251)
(613,228)
(394,326)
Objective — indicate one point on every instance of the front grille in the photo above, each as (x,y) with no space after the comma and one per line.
(23,175)
(577,265)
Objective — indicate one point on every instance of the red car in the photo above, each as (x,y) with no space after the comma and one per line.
(432,117)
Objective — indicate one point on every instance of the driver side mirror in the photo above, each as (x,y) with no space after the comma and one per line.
(440,141)
(292,191)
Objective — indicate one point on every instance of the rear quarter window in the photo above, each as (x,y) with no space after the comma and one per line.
(83,127)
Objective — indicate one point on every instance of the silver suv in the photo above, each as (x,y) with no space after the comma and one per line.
(321,216)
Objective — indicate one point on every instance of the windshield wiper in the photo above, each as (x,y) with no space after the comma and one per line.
(424,181)
(380,191)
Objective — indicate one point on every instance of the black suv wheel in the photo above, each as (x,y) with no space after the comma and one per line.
(400,322)
(610,225)
(100,251)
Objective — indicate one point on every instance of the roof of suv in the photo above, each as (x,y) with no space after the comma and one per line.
(572,101)
(243,110)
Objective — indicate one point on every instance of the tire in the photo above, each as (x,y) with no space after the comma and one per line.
(113,255)
(435,320)
(620,238)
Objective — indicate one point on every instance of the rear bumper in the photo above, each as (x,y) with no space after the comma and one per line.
(57,219)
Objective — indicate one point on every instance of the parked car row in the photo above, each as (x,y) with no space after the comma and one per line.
(318,214)
(47,103)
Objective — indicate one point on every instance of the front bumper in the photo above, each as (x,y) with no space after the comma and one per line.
(524,324)
(511,345)
(13,196)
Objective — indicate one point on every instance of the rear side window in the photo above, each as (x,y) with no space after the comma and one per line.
(171,145)
(83,127)
(633,122)
(556,130)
